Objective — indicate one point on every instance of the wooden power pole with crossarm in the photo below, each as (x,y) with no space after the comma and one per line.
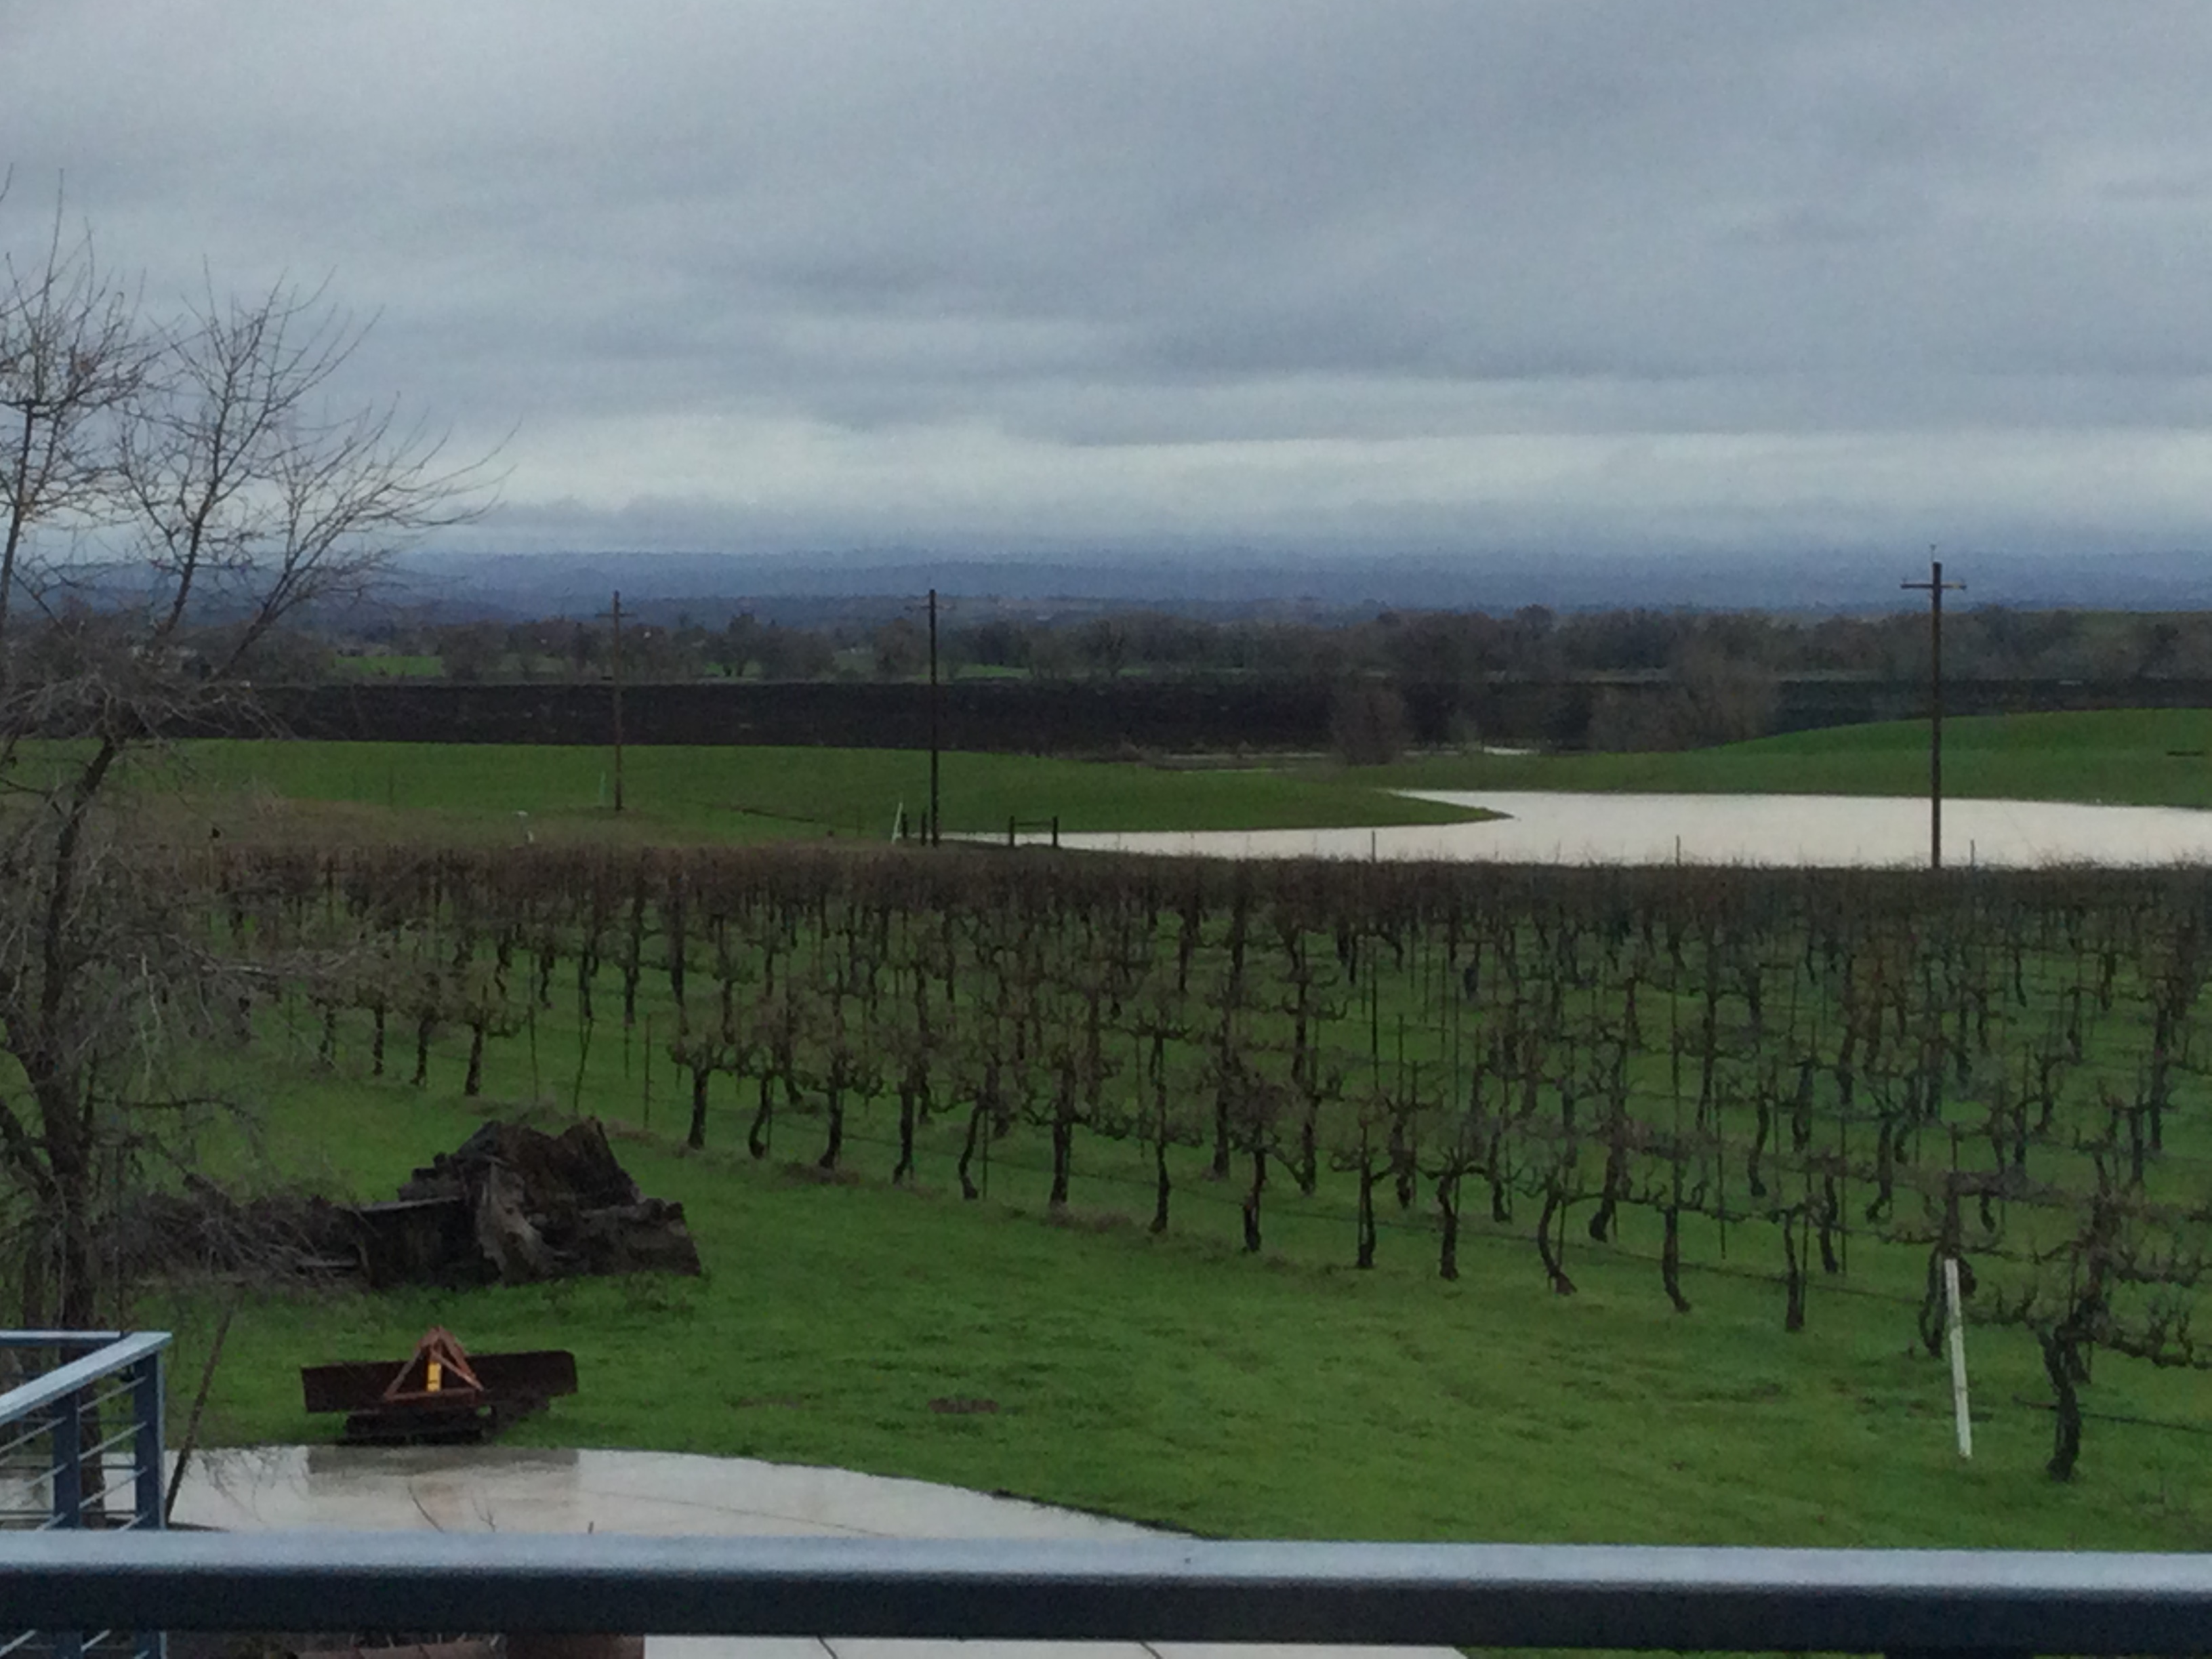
(1936,588)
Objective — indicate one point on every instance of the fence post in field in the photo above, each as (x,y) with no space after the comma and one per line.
(1960,1413)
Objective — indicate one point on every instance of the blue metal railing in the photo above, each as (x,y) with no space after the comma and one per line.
(74,1439)
(1480,1596)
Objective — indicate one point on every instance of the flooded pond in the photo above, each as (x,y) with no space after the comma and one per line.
(1548,827)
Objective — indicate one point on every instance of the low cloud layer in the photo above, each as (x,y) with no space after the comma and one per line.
(1453,276)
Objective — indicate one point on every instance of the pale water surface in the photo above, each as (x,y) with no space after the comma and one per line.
(1552,827)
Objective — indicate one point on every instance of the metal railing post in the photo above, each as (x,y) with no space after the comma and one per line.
(51,1411)
(146,1405)
(65,1439)
(65,1442)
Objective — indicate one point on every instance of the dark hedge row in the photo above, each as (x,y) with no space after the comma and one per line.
(1086,717)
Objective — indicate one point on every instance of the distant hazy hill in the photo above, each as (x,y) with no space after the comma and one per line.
(818,587)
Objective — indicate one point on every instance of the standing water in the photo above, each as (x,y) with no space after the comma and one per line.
(1551,827)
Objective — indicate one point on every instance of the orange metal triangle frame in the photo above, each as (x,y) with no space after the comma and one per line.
(458,1383)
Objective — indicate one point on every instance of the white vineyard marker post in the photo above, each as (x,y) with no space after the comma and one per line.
(1958,1322)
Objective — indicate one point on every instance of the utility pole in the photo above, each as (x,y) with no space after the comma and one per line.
(935,725)
(617,701)
(1936,588)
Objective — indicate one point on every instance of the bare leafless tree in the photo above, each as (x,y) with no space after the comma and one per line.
(250,498)
(71,355)
(175,492)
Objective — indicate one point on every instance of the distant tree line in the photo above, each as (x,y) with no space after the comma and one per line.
(1991,642)
(1685,678)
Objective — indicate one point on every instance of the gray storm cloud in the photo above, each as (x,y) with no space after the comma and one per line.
(1273,272)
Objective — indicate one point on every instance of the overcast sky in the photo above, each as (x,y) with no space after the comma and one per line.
(1277,274)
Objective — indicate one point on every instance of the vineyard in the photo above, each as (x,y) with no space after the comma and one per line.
(1833,1078)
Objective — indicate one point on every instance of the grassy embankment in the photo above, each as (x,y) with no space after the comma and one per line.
(2153,757)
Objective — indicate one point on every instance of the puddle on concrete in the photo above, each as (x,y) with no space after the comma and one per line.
(516,1489)
(1551,827)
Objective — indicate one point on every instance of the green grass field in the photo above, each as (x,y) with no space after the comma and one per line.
(2155,757)
(395,667)
(1175,1380)
(514,791)
(692,794)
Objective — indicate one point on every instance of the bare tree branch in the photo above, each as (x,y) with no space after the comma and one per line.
(173,496)
(71,355)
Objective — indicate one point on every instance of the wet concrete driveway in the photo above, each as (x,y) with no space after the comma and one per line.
(512,1489)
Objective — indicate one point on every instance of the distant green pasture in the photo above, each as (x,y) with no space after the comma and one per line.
(2153,757)
(422,666)
(736,794)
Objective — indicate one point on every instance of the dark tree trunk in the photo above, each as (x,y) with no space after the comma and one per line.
(1793,1260)
(376,1040)
(977,1114)
(1670,1261)
(1934,1315)
(903,1170)
(1366,1219)
(472,1083)
(1252,1201)
(757,1136)
(1063,1143)
(423,1029)
(1555,1206)
(2063,1366)
(696,1140)
(1161,1185)
(1831,1212)
(1447,1225)
(632,963)
(1602,1219)
(1604,1225)
(1219,1170)
(833,1148)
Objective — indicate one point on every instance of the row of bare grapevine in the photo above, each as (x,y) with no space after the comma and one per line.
(2004,1069)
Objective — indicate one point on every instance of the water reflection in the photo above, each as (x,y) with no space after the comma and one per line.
(1554,827)
(521,1489)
